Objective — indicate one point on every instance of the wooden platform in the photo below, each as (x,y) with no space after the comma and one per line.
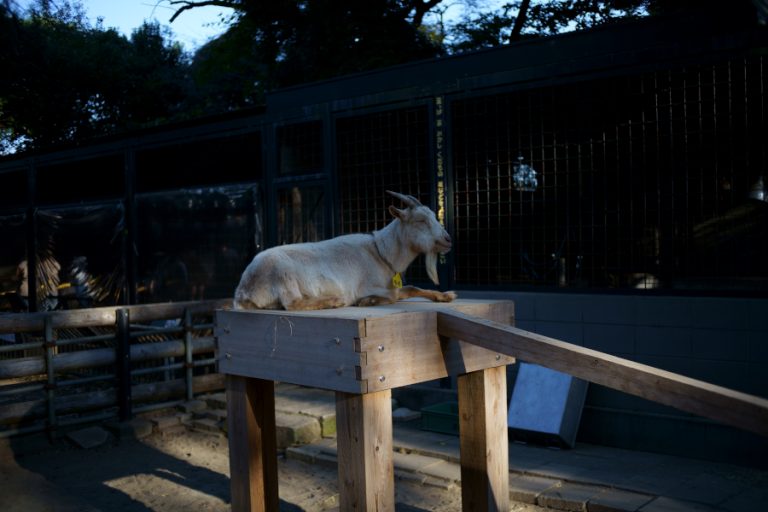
(362,353)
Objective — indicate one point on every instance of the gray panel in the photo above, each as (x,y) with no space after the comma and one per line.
(546,405)
(605,309)
(664,311)
(613,339)
(565,331)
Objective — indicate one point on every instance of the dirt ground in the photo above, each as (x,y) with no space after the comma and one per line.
(171,473)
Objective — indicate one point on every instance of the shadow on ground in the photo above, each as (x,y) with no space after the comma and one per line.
(125,476)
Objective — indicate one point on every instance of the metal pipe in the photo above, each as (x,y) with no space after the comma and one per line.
(159,330)
(85,339)
(157,369)
(21,346)
(160,405)
(24,389)
(21,431)
(86,380)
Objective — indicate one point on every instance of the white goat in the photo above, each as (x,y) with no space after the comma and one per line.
(348,270)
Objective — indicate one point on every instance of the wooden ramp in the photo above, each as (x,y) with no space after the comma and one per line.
(725,405)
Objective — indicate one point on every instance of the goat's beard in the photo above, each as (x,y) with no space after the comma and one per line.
(431,263)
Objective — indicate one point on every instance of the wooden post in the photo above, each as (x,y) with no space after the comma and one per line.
(252,444)
(483,440)
(50,385)
(188,361)
(366,459)
(123,360)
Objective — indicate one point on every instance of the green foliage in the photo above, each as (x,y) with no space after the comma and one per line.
(543,17)
(286,42)
(66,80)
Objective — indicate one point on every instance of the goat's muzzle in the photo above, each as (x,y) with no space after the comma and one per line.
(443,246)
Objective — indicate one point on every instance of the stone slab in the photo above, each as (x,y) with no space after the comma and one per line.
(528,488)
(137,428)
(87,438)
(664,504)
(568,496)
(296,429)
(616,500)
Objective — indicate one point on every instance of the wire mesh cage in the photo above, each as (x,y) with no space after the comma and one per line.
(644,181)
(378,152)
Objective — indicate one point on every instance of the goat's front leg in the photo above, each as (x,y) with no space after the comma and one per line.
(406,292)
(379,297)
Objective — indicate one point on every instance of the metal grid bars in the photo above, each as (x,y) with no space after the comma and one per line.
(644,181)
(378,152)
(300,147)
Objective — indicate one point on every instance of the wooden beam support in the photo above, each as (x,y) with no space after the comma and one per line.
(716,402)
(252,444)
(365,453)
(484,447)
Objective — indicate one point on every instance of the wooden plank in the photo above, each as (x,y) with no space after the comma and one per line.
(406,349)
(498,310)
(365,453)
(310,351)
(483,440)
(24,322)
(34,409)
(66,361)
(252,444)
(317,348)
(691,395)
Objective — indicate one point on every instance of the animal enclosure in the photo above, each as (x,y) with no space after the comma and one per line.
(645,237)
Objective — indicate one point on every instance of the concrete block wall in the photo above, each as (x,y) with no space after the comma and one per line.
(719,340)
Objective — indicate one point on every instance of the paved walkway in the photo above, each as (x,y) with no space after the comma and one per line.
(587,478)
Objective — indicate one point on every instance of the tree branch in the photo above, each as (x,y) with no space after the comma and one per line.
(190,4)
(422,7)
(522,16)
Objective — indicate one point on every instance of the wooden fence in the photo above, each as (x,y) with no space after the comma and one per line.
(66,367)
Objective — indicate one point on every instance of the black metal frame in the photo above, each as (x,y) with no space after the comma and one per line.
(571,60)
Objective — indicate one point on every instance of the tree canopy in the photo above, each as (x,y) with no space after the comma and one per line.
(65,79)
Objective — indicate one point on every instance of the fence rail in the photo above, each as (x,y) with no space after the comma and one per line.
(68,367)
(741,410)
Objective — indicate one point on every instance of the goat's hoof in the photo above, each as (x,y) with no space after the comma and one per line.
(447,297)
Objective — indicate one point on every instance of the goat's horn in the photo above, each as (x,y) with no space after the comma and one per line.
(409,200)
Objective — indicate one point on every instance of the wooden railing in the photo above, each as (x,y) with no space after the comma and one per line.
(84,365)
(731,407)
(46,381)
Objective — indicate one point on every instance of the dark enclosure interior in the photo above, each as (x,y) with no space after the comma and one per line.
(194,244)
(645,181)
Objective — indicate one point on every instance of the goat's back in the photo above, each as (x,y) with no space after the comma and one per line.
(333,269)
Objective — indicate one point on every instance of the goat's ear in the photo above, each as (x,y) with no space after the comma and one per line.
(398,214)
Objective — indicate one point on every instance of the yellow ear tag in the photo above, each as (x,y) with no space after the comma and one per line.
(397,281)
